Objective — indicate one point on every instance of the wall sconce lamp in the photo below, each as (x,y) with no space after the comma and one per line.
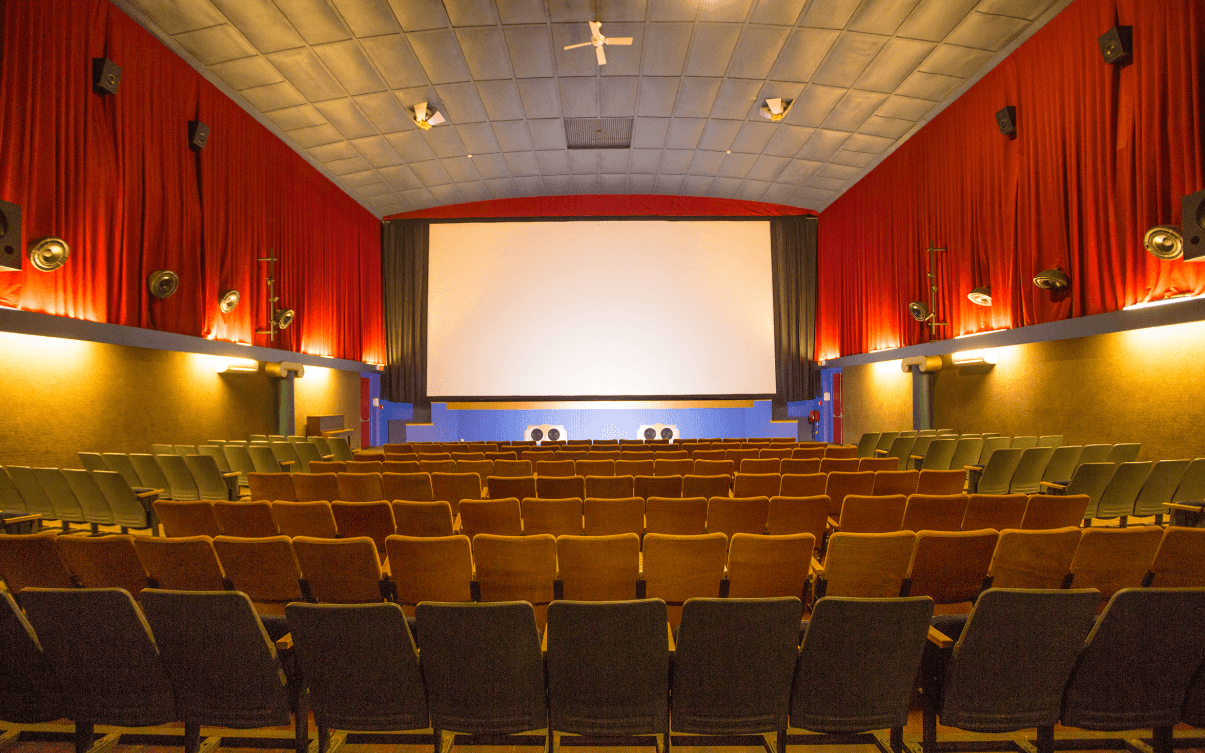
(1052,279)
(926,312)
(229,301)
(981,296)
(278,319)
(235,365)
(982,358)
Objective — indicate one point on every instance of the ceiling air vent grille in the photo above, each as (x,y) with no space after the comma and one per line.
(598,133)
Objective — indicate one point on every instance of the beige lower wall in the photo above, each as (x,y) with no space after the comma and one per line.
(62,396)
(1139,386)
(326,392)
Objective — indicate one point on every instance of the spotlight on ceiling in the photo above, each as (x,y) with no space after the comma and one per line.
(283,318)
(919,311)
(49,254)
(981,296)
(229,301)
(1164,242)
(425,117)
(163,283)
(776,108)
(1052,279)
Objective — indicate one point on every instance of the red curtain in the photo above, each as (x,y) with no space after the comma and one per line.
(115,177)
(605,205)
(1102,153)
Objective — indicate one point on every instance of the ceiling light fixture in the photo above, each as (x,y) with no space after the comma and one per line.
(974,358)
(981,296)
(776,108)
(228,365)
(424,117)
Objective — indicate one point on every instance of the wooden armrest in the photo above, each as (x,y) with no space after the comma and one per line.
(232,474)
(916,457)
(882,453)
(817,568)
(284,642)
(285,463)
(972,468)
(544,641)
(940,639)
(456,523)
(27,518)
(669,633)
(1185,506)
(1052,485)
(328,458)
(149,493)
(833,525)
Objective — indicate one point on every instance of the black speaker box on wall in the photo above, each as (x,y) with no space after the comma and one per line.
(1193,226)
(1117,44)
(198,134)
(106,76)
(10,236)
(1006,121)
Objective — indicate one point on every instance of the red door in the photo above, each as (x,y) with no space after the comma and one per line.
(837,407)
(365,411)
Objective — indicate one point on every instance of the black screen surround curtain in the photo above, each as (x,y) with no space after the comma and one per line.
(793,260)
(404,253)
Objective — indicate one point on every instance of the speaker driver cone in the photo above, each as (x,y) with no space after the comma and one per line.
(229,301)
(1164,242)
(163,283)
(49,254)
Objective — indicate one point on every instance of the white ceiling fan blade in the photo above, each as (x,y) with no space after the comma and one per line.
(775,105)
(436,118)
(619,40)
(575,46)
(420,111)
(602,56)
(594,28)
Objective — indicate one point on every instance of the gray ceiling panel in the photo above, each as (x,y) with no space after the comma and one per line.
(833,14)
(541,97)
(822,144)
(316,20)
(579,97)
(349,64)
(346,166)
(779,193)
(530,49)
(828,184)
(491,166)
(696,96)
(657,96)
(478,138)
(897,59)
(553,163)
(724,188)
(814,105)
(376,190)
(831,170)
(737,165)
(364,178)
(419,15)
(853,109)
(583,161)
(768,168)
(696,185)
(952,60)
(904,108)
(779,12)
(617,97)
(530,186)
(931,86)
(337,150)
(802,54)
(847,58)
(644,160)
(346,117)
(1027,9)
(798,171)
(675,161)
(471,12)
(669,184)
(862,142)
(485,51)
(576,62)
(501,188)
(306,72)
(411,146)
(462,103)
(261,22)
(522,163)
(788,140)
(891,128)
(673,10)
(613,160)
(316,136)
(881,16)
(431,173)
(501,99)
(649,133)
(179,16)
(440,55)
(368,18)
(445,142)
(385,111)
(752,190)
(665,49)
(853,159)
(730,11)
(292,118)
(754,136)
(932,20)
(711,49)
(512,136)
(217,44)
(719,135)
(547,134)
(247,73)
(986,32)
(377,151)
(522,11)
(474,191)
(757,50)
(395,60)
(706,163)
(622,60)
(684,133)
(273,96)
(446,194)
(735,99)
(642,183)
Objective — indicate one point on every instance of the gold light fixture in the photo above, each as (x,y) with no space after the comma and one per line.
(229,301)
(278,319)
(1052,279)
(927,312)
(981,296)
(48,254)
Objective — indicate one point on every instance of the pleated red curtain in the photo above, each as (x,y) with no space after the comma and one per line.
(1102,153)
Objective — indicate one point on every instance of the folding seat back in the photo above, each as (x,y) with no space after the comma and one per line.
(678,568)
(868,514)
(605,516)
(950,566)
(867,444)
(708,453)
(558,517)
(759,466)
(263,459)
(163,449)
(1095,453)
(482,667)
(1180,560)
(120,462)
(1159,487)
(423,519)
(866,464)
(840,452)
(313,519)
(804,484)
(1119,496)
(264,568)
(933,512)
(340,448)
(416,487)
(208,477)
(884,441)
(128,509)
(778,452)
(1048,511)
(635,467)
(799,466)
(808,453)
(1091,479)
(608,668)
(598,568)
(1124,452)
(271,486)
(502,517)
(755,485)
(1033,559)
(62,498)
(1118,683)
(604,455)
(33,561)
(1062,463)
(733,664)
(434,568)
(730,515)
(306,454)
(183,519)
(857,664)
(674,467)
(684,516)
(769,566)
(517,487)
(1023,443)
(841,484)
(92,461)
(534,456)
(325,466)
(360,487)
(224,668)
(939,454)
(512,468)
(285,452)
(483,468)
(554,468)
(919,448)
(704,467)
(895,482)
(991,445)
(1192,483)
(245,519)
(901,451)
(1027,478)
(364,466)
(967,452)
(560,487)
(371,519)
(998,470)
(706,486)
(454,487)
(1009,668)
(29,691)
(866,565)
(998,511)
(608,487)
(92,502)
(1110,559)
(843,465)
(183,564)
(516,568)
(587,468)
(1050,440)
(103,653)
(340,571)
(788,515)
(104,561)
(376,684)
(470,456)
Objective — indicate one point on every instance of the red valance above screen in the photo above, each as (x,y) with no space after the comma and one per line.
(604,205)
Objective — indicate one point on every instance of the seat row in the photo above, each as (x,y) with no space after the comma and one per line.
(696,452)
(94,498)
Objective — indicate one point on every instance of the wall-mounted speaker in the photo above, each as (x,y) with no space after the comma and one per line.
(1117,44)
(10,236)
(106,76)
(657,431)
(163,283)
(1006,121)
(49,254)
(550,432)
(1192,222)
(198,134)
(1052,279)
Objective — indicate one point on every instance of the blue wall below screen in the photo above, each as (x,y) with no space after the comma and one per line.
(590,423)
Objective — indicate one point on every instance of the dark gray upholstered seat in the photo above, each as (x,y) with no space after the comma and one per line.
(29,691)
(608,667)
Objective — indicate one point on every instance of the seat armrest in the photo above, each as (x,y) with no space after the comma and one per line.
(149,493)
(1187,506)
(833,525)
(669,632)
(286,464)
(817,568)
(881,453)
(285,642)
(940,639)
(231,474)
(917,457)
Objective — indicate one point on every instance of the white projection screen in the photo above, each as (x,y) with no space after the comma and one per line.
(600,309)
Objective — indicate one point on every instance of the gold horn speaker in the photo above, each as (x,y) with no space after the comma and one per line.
(49,254)
(229,301)
(1164,242)
(163,283)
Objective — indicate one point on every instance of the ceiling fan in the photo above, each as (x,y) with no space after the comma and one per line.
(598,40)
